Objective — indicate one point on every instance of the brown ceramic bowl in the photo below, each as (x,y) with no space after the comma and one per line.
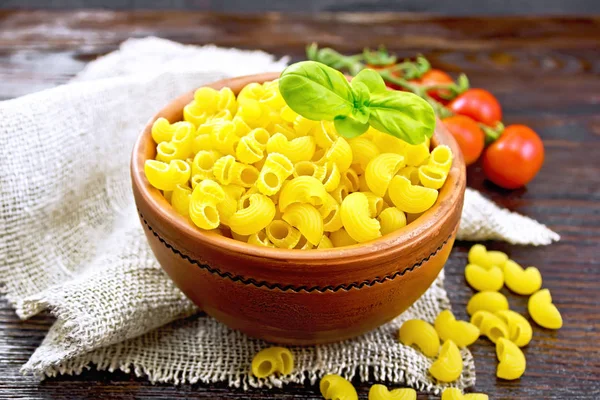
(297,297)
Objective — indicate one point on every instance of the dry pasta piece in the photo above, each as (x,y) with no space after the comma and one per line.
(260,239)
(487,301)
(180,199)
(304,126)
(207,98)
(357,219)
(325,134)
(202,142)
(203,163)
(272,360)
(334,387)
(490,325)
(411,173)
(227,207)
(431,177)
(522,281)
(303,189)
(350,180)
(276,170)
(416,154)
(282,234)
(375,204)
(310,168)
(448,366)
(386,143)
(410,198)
(422,334)
(391,219)
(363,151)
(303,244)
(183,139)
(241,128)
(306,219)
(287,129)
(340,238)
(332,177)
(255,213)
(512,360)
(456,394)
(330,212)
(162,130)
(249,150)
(165,176)
(380,171)
(340,153)
(235,191)
(224,138)
(195,113)
(362,184)
(543,312)
(168,151)
(519,329)
(380,392)
(479,255)
(298,149)
(441,157)
(462,333)
(325,243)
(203,204)
(483,279)
(287,114)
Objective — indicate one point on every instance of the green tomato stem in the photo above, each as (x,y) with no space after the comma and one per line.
(492,134)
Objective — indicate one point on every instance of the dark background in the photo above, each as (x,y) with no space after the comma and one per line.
(445,7)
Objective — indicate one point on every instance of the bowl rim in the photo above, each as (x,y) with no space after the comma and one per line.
(430,221)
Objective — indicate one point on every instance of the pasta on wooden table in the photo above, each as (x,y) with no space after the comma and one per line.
(251,168)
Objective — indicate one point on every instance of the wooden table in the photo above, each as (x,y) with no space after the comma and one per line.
(546,74)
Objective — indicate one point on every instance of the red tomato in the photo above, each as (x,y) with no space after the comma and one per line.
(436,77)
(478,104)
(468,134)
(515,158)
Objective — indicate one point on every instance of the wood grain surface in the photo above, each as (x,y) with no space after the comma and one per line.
(544,71)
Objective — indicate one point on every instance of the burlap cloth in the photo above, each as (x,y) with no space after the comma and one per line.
(71,242)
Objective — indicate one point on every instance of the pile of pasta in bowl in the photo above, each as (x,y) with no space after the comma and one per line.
(250,168)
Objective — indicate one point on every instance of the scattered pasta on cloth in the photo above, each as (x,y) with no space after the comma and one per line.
(72,242)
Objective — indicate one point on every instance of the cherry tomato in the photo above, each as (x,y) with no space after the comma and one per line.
(468,134)
(515,158)
(436,77)
(478,104)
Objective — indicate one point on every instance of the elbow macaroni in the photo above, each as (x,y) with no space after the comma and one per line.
(490,325)
(482,279)
(449,364)
(334,387)
(421,334)
(462,333)
(272,360)
(250,168)
(487,301)
(543,312)
(380,392)
(511,359)
(456,394)
(522,281)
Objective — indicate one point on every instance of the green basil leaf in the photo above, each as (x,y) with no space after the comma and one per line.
(361,114)
(361,94)
(348,127)
(371,79)
(402,114)
(316,91)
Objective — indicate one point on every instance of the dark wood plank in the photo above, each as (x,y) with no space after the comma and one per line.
(545,71)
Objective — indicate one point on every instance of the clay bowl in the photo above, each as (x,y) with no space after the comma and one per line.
(296,296)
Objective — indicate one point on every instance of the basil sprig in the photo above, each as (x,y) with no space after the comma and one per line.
(318,92)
